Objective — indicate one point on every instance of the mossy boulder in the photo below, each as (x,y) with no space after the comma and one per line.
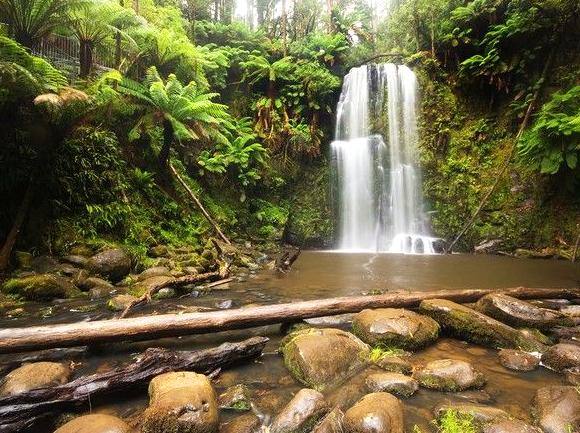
(33,376)
(556,409)
(120,302)
(181,402)
(41,287)
(509,426)
(144,286)
(476,327)
(156,271)
(518,360)
(95,423)
(113,264)
(378,412)
(301,414)
(394,364)
(395,327)
(393,383)
(562,356)
(518,313)
(478,412)
(319,358)
(449,375)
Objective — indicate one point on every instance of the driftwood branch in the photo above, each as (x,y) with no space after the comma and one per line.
(20,411)
(286,260)
(167,325)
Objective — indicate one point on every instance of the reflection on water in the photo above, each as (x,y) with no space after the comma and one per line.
(325,274)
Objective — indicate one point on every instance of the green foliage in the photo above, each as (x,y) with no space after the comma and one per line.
(452,421)
(381,351)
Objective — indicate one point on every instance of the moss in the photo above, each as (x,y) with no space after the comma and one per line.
(41,287)
(452,421)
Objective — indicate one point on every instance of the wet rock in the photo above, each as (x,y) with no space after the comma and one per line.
(573,375)
(449,375)
(394,364)
(79,261)
(378,412)
(518,360)
(336,320)
(248,423)
(99,293)
(537,335)
(395,327)
(394,383)
(235,397)
(95,423)
(562,356)
(181,402)
(488,246)
(93,282)
(509,426)
(476,327)
(144,286)
(225,304)
(556,409)
(158,251)
(301,414)
(321,357)
(113,264)
(156,271)
(165,293)
(81,250)
(571,310)
(120,302)
(520,313)
(41,287)
(33,376)
(480,413)
(331,423)
(344,396)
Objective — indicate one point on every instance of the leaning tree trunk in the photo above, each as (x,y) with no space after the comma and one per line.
(85,58)
(167,142)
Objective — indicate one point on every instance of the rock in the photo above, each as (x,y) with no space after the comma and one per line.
(235,397)
(488,246)
(120,302)
(321,357)
(449,375)
(80,261)
(478,412)
(301,414)
(516,312)
(23,259)
(113,264)
(537,335)
(518,360)
(562,356)
(181,402)
(41,287)
(556,409)
(44,264)
(509,426)
(165,293)
(573,375)
(394,383)
(571,310)
(33,376)
(476,327)
(394,364)
(331,423)
(336,320)
(99,293)
(158,251)
(395,327)
(546,253)
(81,250)
(248,423)
(144,286)
(156,271)
(378,412)
(95,423)
(92,282)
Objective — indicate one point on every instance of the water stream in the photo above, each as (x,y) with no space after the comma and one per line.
(377,180)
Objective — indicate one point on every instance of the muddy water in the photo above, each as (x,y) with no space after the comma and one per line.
(325,274)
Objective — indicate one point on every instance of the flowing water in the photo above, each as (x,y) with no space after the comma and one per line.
(377,181)
(323,274)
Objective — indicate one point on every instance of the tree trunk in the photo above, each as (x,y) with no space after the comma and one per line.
(167,325)
(20,411)
(12,237)
(167,142)
(284,28)
(85,58)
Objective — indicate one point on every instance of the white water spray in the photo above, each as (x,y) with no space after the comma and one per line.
(380,206)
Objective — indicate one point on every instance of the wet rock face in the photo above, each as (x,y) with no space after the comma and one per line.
(478,328)
(394,383)
(120,302)
(236,397)
(301,414)
(449,375)
(520,313)
(113,264)
(556,409)
(394,364)
(41,287)
(181,402)
(331,423)
(33,376)
(144,286)
(156,271)
(562,356)
(479,413)
(518,360)
(509,426)
(248,423)
(395,327)
(321,357)
(378,412)
(95,423)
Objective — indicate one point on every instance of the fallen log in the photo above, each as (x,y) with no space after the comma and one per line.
(21,411)
(167,325)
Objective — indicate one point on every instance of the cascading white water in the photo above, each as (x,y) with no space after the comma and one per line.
(378,183)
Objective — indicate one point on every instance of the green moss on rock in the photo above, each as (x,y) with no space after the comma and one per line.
(41,287)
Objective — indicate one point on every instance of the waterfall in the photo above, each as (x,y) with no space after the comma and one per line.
(377,181)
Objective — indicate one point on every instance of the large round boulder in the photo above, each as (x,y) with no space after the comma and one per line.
(95,423)
(562,356)
(301,414)
(516,312)
(319,358)
(518,360)
(42,287)
(395,327)
(33,376)
(556,409)
(449,375)
(181,402)
(394,383)
(378,412)
(113,264)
